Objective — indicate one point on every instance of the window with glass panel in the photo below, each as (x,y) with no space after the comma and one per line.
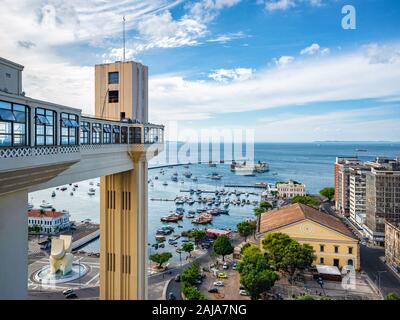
(106,133)
(13,124)
(113,78)
(45,120)
(124,135)
(153,135)
(69,129)
(116,133)
(85,132)
(113,96)
(96,133)
(135,135)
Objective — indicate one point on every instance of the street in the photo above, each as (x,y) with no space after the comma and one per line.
(373,265)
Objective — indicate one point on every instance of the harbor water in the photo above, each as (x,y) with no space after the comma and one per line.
(309,163)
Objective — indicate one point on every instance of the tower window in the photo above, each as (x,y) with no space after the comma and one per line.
(113,96)
(113,77)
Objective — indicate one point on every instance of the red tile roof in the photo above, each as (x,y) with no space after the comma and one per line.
(47,214)
(297,212)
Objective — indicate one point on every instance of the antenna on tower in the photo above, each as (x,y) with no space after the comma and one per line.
(123,37)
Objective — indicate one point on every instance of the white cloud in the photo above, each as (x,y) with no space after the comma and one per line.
(207,10)
(281,5)
(237,74)
(329,78)
(385,54)
(224,38)
(283,61)
(315,48)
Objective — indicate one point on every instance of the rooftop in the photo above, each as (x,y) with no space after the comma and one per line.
(47,214)
(278,218)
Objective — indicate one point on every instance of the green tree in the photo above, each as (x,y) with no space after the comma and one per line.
(222,246)
(392,296)
(188,247)
(258,211)
(255,274)
(198,235)
(161,258)
(191,293)
(328,193)
(297,257)
(190,274)
(246,228)
(305,297)
(265,205)
(287,254)
(308,200)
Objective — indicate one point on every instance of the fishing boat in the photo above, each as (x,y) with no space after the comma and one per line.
(203,218)
(171,218)
(187,174)
(53,194)
(46,205)
(261,167)
(160,237)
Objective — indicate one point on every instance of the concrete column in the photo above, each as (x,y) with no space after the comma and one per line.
(13,245)
(123,234)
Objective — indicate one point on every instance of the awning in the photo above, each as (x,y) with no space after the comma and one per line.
(116,130)
(74,123)
(66,123)
(85,127)
(106,130)
(96,129)
(41,120)
(6,115)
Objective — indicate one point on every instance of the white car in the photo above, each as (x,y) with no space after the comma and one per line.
(218,283)
(243,293)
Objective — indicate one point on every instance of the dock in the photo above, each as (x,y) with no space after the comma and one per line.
(192,163)
(244,186)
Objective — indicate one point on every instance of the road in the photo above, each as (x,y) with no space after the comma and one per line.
(371,264)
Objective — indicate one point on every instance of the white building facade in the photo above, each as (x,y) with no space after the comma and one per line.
(291,189)
(49,222)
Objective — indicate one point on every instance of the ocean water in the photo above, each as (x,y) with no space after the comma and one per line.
(309,163)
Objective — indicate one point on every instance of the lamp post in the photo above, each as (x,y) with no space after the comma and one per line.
(379,280)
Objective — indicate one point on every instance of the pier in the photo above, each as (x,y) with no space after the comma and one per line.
(244,186)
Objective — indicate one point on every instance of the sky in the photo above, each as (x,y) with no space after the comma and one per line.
(285,68)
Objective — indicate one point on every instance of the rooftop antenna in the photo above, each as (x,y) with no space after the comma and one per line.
(123,37)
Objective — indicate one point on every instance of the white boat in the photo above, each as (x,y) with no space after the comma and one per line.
(91,183)
(30,206)
(46,205)
(91,192)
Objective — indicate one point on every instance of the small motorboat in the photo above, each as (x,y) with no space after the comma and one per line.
(160,237)
(71,194)
(165,183)
(76,186)
(91,183)
(155,178)
(46,205)
(30,206)
(73,189)
(63,188)
(53,194)
(91,192)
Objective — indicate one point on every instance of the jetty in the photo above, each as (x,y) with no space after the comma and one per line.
(244,186)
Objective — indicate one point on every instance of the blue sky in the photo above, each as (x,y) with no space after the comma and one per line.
(284,68)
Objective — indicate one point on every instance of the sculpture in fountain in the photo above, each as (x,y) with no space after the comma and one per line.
(61,257)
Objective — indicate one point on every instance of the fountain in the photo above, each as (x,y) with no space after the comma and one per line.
(61,268)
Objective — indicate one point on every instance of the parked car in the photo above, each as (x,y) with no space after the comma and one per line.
(218,283)
(178,278)
(198,281)
(71,295)
(222,275)
(213,290)
(242,287)
(226,265)
(243,293)
(234,266)
(171,296)
(68,291)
